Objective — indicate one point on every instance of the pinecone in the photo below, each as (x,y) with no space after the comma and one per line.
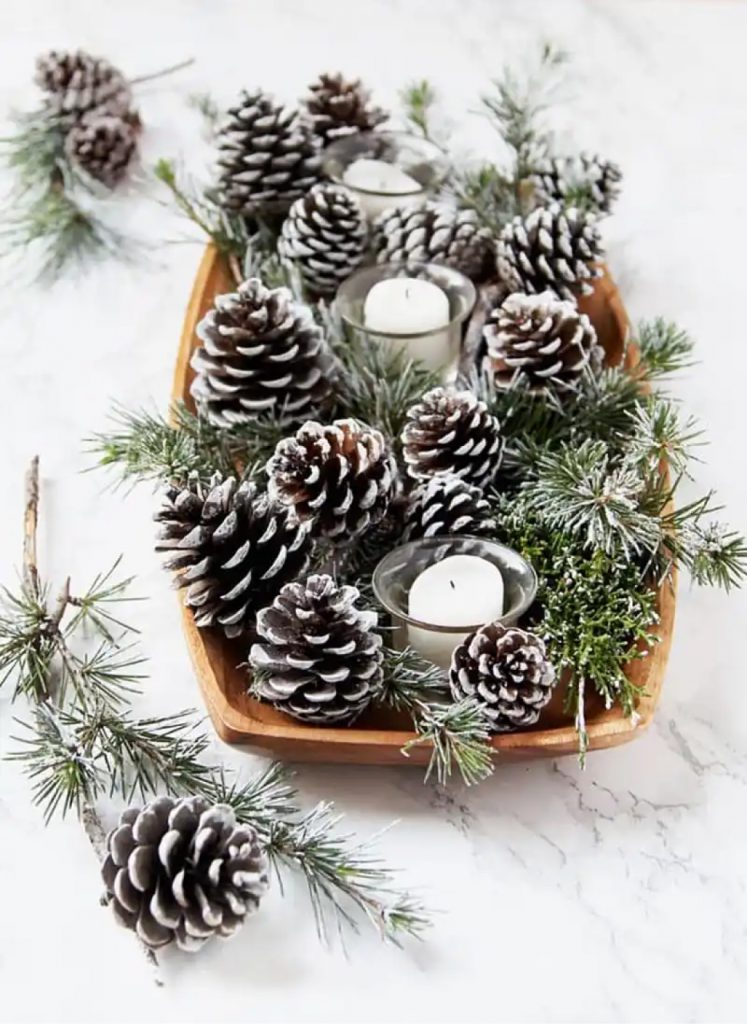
(183,870)
(584,175)
(444,505)
(435,233)
(452,432)
(325,235)
(542,339)
(102,145)
(337,107)
(551,249)
(507,671)
(341,478)
(78,83)
(262,352)
(320,661)
(267,156)
(232,549)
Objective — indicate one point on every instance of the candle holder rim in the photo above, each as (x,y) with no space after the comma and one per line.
(339,145)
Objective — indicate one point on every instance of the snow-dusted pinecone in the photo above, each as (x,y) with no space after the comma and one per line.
(78,83)
(445,505)
(506,669)
(452,432)
(261,352)
(102,145)
(541,339)
(325,235)
(231,548)
(560,179)
(183,870)
(338,107)
(318,658)
(267,156)
(341,477)
(551,249)
(435,233)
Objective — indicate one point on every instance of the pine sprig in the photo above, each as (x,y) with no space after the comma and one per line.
(418,99)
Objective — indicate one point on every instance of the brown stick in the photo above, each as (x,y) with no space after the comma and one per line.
(30,522)
(235,266)
(162,73)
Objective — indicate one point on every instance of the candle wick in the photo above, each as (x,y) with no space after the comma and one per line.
(407,293)
(452,584)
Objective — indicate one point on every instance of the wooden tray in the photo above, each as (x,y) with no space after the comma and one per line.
(378,736)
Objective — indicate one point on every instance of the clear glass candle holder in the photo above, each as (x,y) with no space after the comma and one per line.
(397,571)
(438,349)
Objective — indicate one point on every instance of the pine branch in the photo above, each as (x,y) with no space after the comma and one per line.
(664,349)
(418,98)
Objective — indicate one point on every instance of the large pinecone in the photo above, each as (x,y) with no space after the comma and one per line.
(267,156)
(78,83)
(541,339)
(551,249)
(445,505)
(435,233)
(338,107)
(320,660)
(102,145)
(261,353)
(585,176)
(452,432)
(341,478)
(324,234)
(183,870)
(232,548)
(507,671)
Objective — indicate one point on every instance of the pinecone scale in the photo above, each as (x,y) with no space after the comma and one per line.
(434,233)
(337,107)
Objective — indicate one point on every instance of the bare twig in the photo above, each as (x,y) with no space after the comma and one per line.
(233,263)
(30,521)
(163,72)
(63,600)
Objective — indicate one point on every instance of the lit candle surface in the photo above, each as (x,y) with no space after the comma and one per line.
(401,306)
(462,590)
(382,185)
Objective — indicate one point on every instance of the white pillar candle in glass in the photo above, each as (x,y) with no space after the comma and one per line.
(462,590)
(381,186)
(413,315)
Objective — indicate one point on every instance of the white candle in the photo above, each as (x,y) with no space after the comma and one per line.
(402,306)
(381,185)
(462,590)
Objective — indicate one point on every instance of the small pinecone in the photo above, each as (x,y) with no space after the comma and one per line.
(231,548)
(550,249)
(542,339)
(506,670)
(324,234)
(267,156)
(445,505)
(320,660)
(102,145)
(560,177)
(341,477)
(452,432)
(435,233)
(78,83)
(337,107)
(184,871)
(261,353)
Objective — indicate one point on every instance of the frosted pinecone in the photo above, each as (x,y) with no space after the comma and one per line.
(337,107)
(447,505)
(183,871)
(325,236)
(318,658)
(451,432)
(102,146)
(435,233)
(585,176)
(261,352)
(77,83)
(230,548)
(507,671)
(341,478)
(551,249)
(541,340)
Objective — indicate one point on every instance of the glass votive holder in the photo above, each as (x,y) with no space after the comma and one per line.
(414,158)
(396,573)
(438,348)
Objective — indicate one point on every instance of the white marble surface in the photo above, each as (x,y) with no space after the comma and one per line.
(616,894)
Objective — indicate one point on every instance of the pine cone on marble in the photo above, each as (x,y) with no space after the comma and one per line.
(267,156)
(78,83)
(507,671)
(318,658)
(340,478)
(578,177)
(551,249)
(325,236)
(541,340)
(102,146)
(452,433)
(337,107)
(183,871)
(231,548)
(446,505)
(435,233)
(261,352)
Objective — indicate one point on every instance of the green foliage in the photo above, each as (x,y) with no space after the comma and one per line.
(418,98)
(665,348)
